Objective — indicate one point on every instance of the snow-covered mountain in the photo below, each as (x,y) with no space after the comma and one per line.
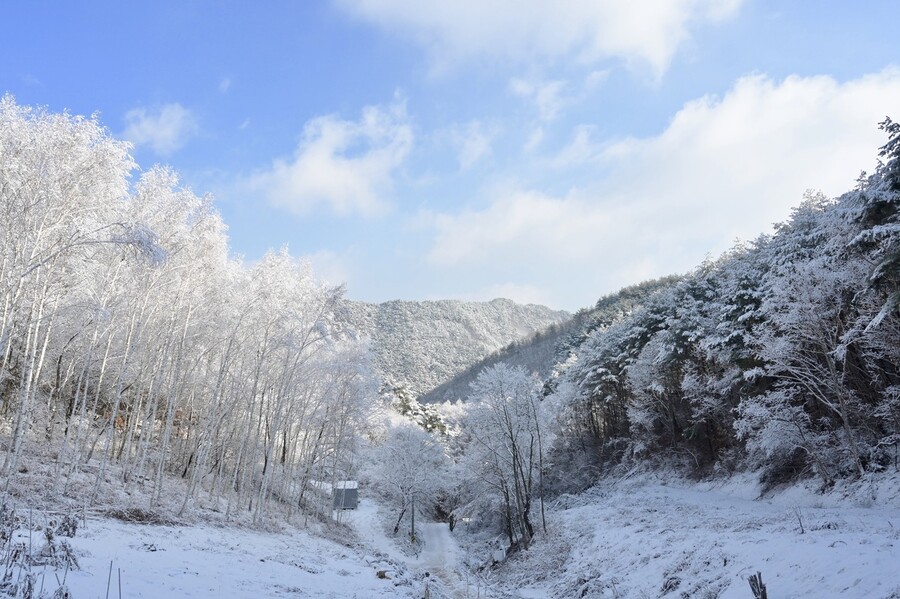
(423,344)
(543,353)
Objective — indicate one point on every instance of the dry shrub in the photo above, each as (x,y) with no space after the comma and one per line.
(137,515)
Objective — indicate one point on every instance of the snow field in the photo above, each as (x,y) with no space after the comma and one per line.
(220,562)
(645,537)
(654,539)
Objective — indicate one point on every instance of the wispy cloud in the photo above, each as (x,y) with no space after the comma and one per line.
(473,143)
(518,225)
(551,98)
(646,32)
(534,139)
(581,149)
(224,85)
(595,78)
(724,168)
(164,128)
(344,166)
(547,96)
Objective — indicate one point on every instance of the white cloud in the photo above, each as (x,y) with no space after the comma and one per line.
(724,168)
(164,128)
(737,164)
(646,32)
(224,84)
(547,96)
(518,225)
(473,143)
(345,166)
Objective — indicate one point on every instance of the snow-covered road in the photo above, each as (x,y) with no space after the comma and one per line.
(439,566)
(441,559)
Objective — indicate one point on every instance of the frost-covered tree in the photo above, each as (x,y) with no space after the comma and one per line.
(63,185)
(505,449)
(131,344)
(876,207)
(413,467)
(781,355)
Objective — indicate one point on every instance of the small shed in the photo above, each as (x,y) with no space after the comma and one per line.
(346,495)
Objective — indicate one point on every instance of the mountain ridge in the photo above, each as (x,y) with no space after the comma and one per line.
(545,352)
(423,344)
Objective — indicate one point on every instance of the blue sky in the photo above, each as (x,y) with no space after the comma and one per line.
(548,152)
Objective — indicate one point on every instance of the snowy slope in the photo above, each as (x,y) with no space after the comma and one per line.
(117,558)
(649,538)
(644,537)
(209,561)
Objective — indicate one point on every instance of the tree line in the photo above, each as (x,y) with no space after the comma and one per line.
(133,347)
(782,355)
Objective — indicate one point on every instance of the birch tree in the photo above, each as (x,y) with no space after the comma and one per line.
(506,446)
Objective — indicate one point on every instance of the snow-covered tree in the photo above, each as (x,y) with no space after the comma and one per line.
(413,467)
(130,342)
(505,448)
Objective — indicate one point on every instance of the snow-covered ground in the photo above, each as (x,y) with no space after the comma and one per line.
(644,537)
(651,538)
(212,560)
(439,565)
(206,560)
(209,561)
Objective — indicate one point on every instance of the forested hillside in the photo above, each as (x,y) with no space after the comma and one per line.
(420,345)
(540,352)
(134,351)
(131,343)
(781,357)
(783,354)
